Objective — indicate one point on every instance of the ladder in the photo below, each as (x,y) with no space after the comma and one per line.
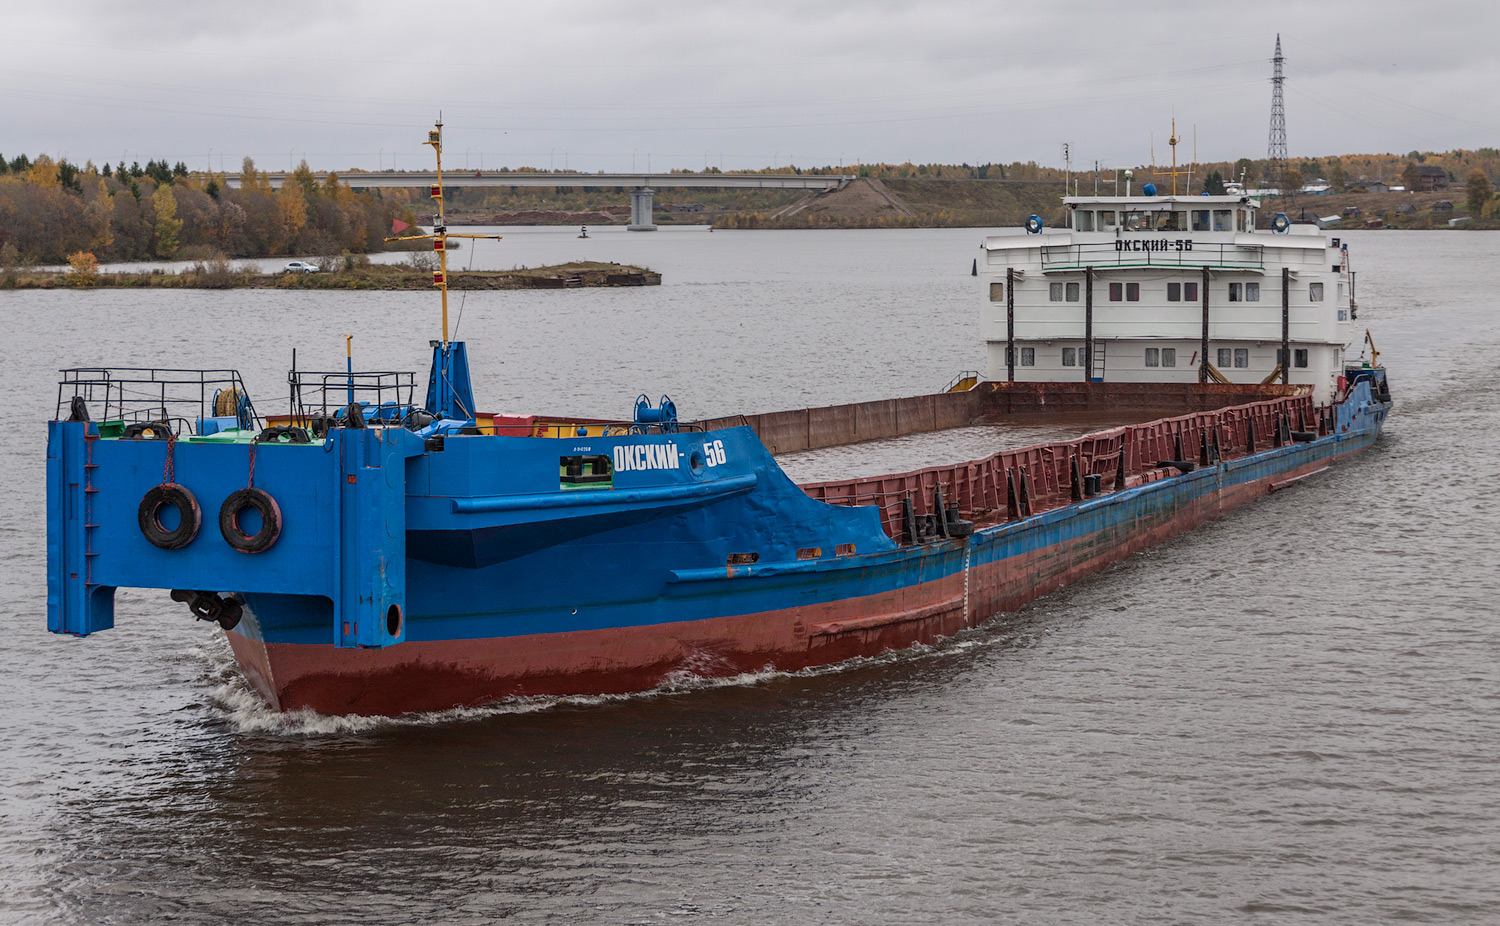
(1096,362)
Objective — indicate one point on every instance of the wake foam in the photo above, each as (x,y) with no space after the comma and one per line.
(232,702)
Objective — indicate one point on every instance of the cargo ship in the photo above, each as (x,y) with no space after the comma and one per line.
(370,553)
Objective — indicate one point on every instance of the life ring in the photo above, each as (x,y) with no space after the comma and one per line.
(1033,224)
(270,520)
(284,434)
(147,430)
(189,516)
(1280,223)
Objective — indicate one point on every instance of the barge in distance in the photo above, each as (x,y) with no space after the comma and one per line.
(370,553)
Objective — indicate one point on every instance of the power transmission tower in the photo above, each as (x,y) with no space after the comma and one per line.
(1276,148)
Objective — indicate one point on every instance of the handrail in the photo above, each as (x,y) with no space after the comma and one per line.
(1144,252)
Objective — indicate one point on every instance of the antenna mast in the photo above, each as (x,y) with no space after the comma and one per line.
(1276,147)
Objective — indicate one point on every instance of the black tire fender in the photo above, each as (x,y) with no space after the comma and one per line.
(262,503)
(169,495)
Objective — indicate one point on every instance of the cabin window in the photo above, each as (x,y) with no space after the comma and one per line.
(1055,292)
(1223,220)
(1226,357)
(1242,357)
(1190,292)
(1132,292)
(1084,220)
(1116,292)
(997,292)
(1028,356)
(1299,358)
(1234,292)
(1240,216)
(1070,356)
(1171,221)
(585,472)
(1073,292)
(1200,220)
(1153,357)
(1315,292)
(1169,356)
(1137,221)
(1252,292)
(1174,292)
(1107,219)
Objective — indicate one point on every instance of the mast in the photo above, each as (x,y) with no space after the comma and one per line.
(449,392)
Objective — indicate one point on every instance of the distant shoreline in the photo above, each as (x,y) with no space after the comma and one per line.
(387,277)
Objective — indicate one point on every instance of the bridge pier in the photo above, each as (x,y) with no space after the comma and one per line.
(641,216)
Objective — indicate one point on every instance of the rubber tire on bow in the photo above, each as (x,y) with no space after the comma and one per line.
(190,516)
(270,520)
(147,430)
(275,433)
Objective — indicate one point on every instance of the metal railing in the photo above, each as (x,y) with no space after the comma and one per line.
(136,395)
(386,394)
(1131,251)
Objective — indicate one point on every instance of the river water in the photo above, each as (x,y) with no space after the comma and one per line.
(1290,715)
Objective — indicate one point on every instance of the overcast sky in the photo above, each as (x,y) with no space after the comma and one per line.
(685,83)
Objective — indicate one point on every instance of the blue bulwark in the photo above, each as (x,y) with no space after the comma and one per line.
(450,394)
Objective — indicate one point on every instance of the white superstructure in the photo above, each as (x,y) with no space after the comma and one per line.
(1147,280)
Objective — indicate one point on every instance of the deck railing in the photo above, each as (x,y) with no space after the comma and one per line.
(1128,251)
(1017,483)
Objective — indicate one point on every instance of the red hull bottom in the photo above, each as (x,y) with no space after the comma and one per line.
(428,676)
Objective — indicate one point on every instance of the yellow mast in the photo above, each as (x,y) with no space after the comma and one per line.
(440,236)
(1174,173)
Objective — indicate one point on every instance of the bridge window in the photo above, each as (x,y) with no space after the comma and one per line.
(1241,215)
(1137,221)
(1223,220)
(1070,356)
(1200,220)
(1171,221)
(1084,220)
(997,292)
(1169,356)
(1107,219)
(1315,292)
(1153,357)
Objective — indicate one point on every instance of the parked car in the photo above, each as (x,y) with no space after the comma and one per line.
(299,266)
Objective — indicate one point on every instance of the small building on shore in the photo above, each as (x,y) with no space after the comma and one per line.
(1431,178)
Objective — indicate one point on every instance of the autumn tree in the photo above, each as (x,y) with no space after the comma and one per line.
(1336,177)
(1478,191)
(167,223)
(1409,176)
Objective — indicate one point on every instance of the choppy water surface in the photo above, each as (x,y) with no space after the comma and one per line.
(1294,712)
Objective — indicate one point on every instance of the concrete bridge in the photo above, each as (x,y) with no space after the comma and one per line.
(642,186)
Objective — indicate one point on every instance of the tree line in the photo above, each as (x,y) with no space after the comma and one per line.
(52,209)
